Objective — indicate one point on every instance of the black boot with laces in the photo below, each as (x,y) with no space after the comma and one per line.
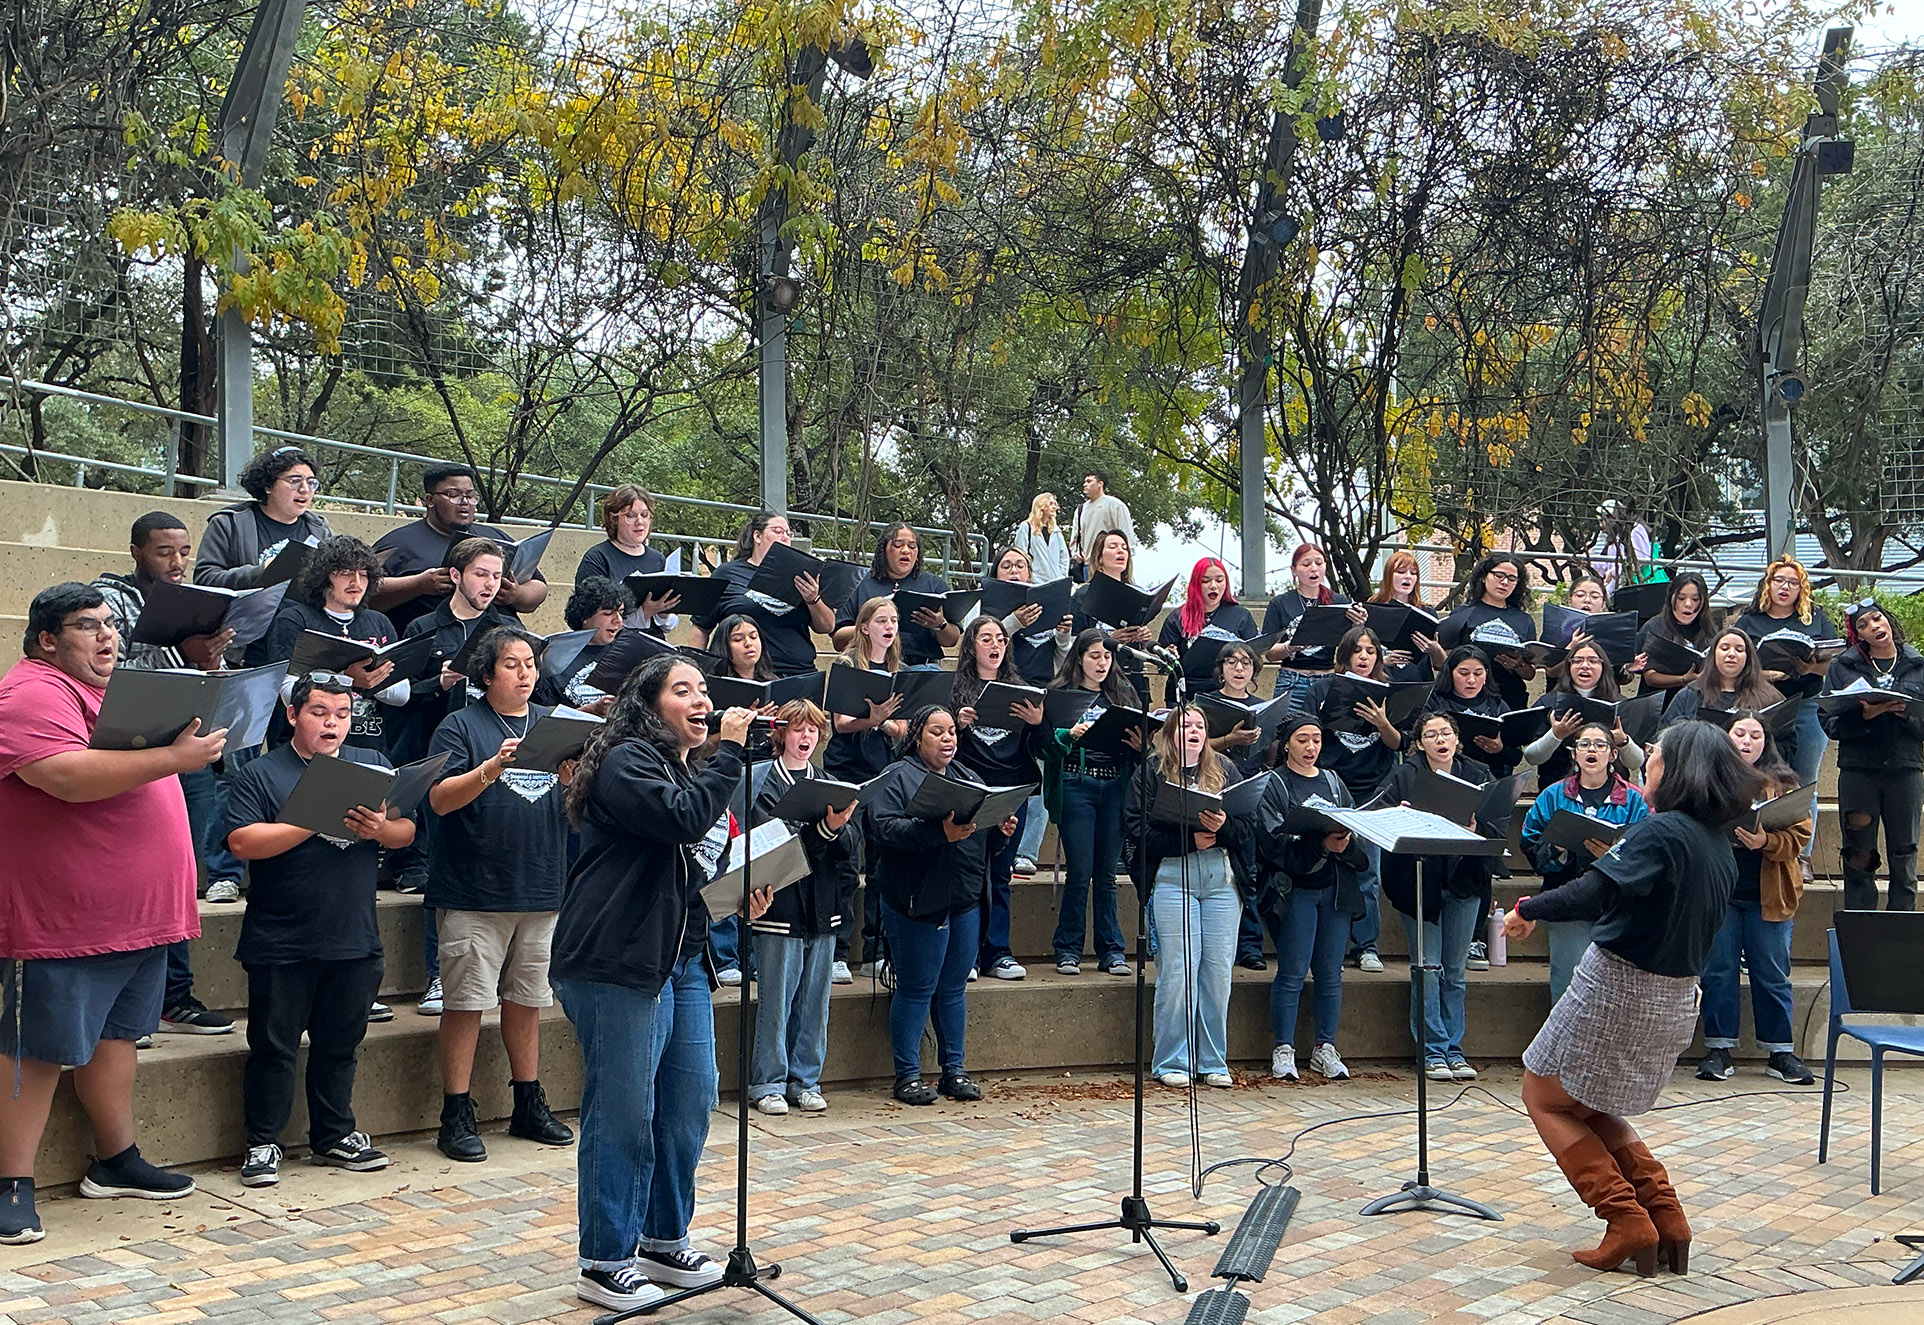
(460,1135)
(533,1121)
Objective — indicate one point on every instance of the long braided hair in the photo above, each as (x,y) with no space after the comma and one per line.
(633,717)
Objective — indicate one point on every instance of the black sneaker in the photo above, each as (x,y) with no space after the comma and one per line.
(1253,963)
(460,1137)
(353,1152)
(686,1268)
(19,1221)
(262,1167)
(414,881)
(620,1290)
(1787,1066)
(1716,1066)
(957,1086)
(191,1017)
(127,1174)
(1479,959)
(378,1011)
(533,1120)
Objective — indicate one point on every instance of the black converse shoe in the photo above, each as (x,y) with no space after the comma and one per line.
(686,1268)
(127,1174)
(353,1152)
(262,1167)
(621,1290)
(19,1221)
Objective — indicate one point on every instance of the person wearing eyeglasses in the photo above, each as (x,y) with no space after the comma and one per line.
(308,939)
(1783,603)
(100,880)
(241,540)
(419,573)
(1496,618)
(1596,791)
(628,518)
(1880,758)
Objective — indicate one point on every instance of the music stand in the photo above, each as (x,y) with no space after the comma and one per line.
(1414,832)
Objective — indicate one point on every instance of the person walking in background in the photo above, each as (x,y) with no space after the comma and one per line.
(1040,540)
(1099,514)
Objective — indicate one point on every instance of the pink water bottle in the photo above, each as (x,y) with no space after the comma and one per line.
(1497,944)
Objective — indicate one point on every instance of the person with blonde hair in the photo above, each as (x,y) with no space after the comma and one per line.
(1041,540)
(1193,898)
(1783,604)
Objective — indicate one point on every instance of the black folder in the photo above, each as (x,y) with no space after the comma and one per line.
(1646,600)
(630,648)
(1108,733)
(733,691)
(811,798)
(173,613)
(992,706)
(1063,708)
(1672,657)
(920,687)
(1777,649)
(1199,659)
(852,689)
(1322,626)
(1000,598)
(1396,624)
(315,651)
(775,577)
(1777,717)
(560,651)
(1181,805)
(701,595)
(939,796)
(288,563)
(1614,632)
(1568,829)
(1779,812)
(332,786)
(1857,693)
(1638,715)
(1113,603)
(144,709)
(953,605)
(559,736)
(1225,715)
(524,557)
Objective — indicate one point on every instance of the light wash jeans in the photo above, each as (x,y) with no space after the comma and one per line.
(1765,944)
(1446,952)
(1196,942)
(791,1013)
(649,1085)
(1568,940)
(1811,744)
(1034,828)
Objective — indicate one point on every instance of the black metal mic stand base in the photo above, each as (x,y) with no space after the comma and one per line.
(741,1272)
(1422,1196)
(1139,1224)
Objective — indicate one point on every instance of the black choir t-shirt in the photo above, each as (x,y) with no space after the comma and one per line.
(1461,625)
(417,547)
(505,850)
(370,724)
(607,560)
(1760,625)
(274,535)
(1674,878)
(570,686)
(920,647)
(315,902)
(785,630)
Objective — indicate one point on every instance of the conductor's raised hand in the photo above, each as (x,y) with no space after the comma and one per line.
(196,751)
(954,831)
(735,723)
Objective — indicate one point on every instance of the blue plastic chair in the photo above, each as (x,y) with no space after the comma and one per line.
(1878,1039)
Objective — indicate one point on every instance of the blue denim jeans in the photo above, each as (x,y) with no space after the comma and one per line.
(725,942)
(1811,744)
(1569,940)
(206,796)
(1765,944)
(1446,951)
(1196,936)
(791,1013)
(1033,829)
(649,1084)
(1091,834)
(995,929)
(1311,945)
(932,963)
(1365,929)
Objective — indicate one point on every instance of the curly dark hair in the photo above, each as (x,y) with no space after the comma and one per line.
(493,643)
(635,716)
(592,594)
(267,467)
(1519,592)
(337,552)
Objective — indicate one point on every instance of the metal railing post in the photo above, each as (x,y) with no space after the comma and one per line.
(393,481)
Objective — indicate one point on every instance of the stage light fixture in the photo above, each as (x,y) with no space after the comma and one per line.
(781,295)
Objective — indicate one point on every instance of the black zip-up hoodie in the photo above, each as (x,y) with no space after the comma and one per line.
(922,874)
(1289,861)
(631,907)
(1165,840)
(1890,742)
(811,907)
(1459,876)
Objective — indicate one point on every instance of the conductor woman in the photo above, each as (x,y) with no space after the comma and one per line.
(1658,898)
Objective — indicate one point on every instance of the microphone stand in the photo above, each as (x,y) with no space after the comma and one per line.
(741,1270)
(1135,1218)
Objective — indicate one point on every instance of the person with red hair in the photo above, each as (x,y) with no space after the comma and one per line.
(1210,611)
(1309,571)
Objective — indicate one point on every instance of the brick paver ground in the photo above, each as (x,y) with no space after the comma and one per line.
(885,1214)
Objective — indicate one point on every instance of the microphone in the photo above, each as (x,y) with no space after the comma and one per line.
(1156,655)
(713,719)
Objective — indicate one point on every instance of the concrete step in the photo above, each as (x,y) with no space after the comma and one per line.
(187,1090)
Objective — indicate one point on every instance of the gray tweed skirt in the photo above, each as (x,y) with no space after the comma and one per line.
(1613,1039)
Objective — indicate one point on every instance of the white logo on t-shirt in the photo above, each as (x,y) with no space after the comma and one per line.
(529,784)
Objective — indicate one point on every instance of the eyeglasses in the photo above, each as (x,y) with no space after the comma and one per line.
(467,498)
(1509,575)
(331,679)
(1593,744)
(1787,581)
(88,625)
(302,484)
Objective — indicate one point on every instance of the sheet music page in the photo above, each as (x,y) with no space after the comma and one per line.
(1386,827)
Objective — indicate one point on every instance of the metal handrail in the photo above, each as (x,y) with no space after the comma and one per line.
(1717,575)
(976,544)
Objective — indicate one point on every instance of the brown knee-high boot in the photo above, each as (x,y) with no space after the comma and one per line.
(1631,1236)
(1659,1200)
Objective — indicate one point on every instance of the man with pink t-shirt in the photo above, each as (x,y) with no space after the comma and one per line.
(99,880)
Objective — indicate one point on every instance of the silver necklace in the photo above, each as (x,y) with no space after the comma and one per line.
(526,720)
